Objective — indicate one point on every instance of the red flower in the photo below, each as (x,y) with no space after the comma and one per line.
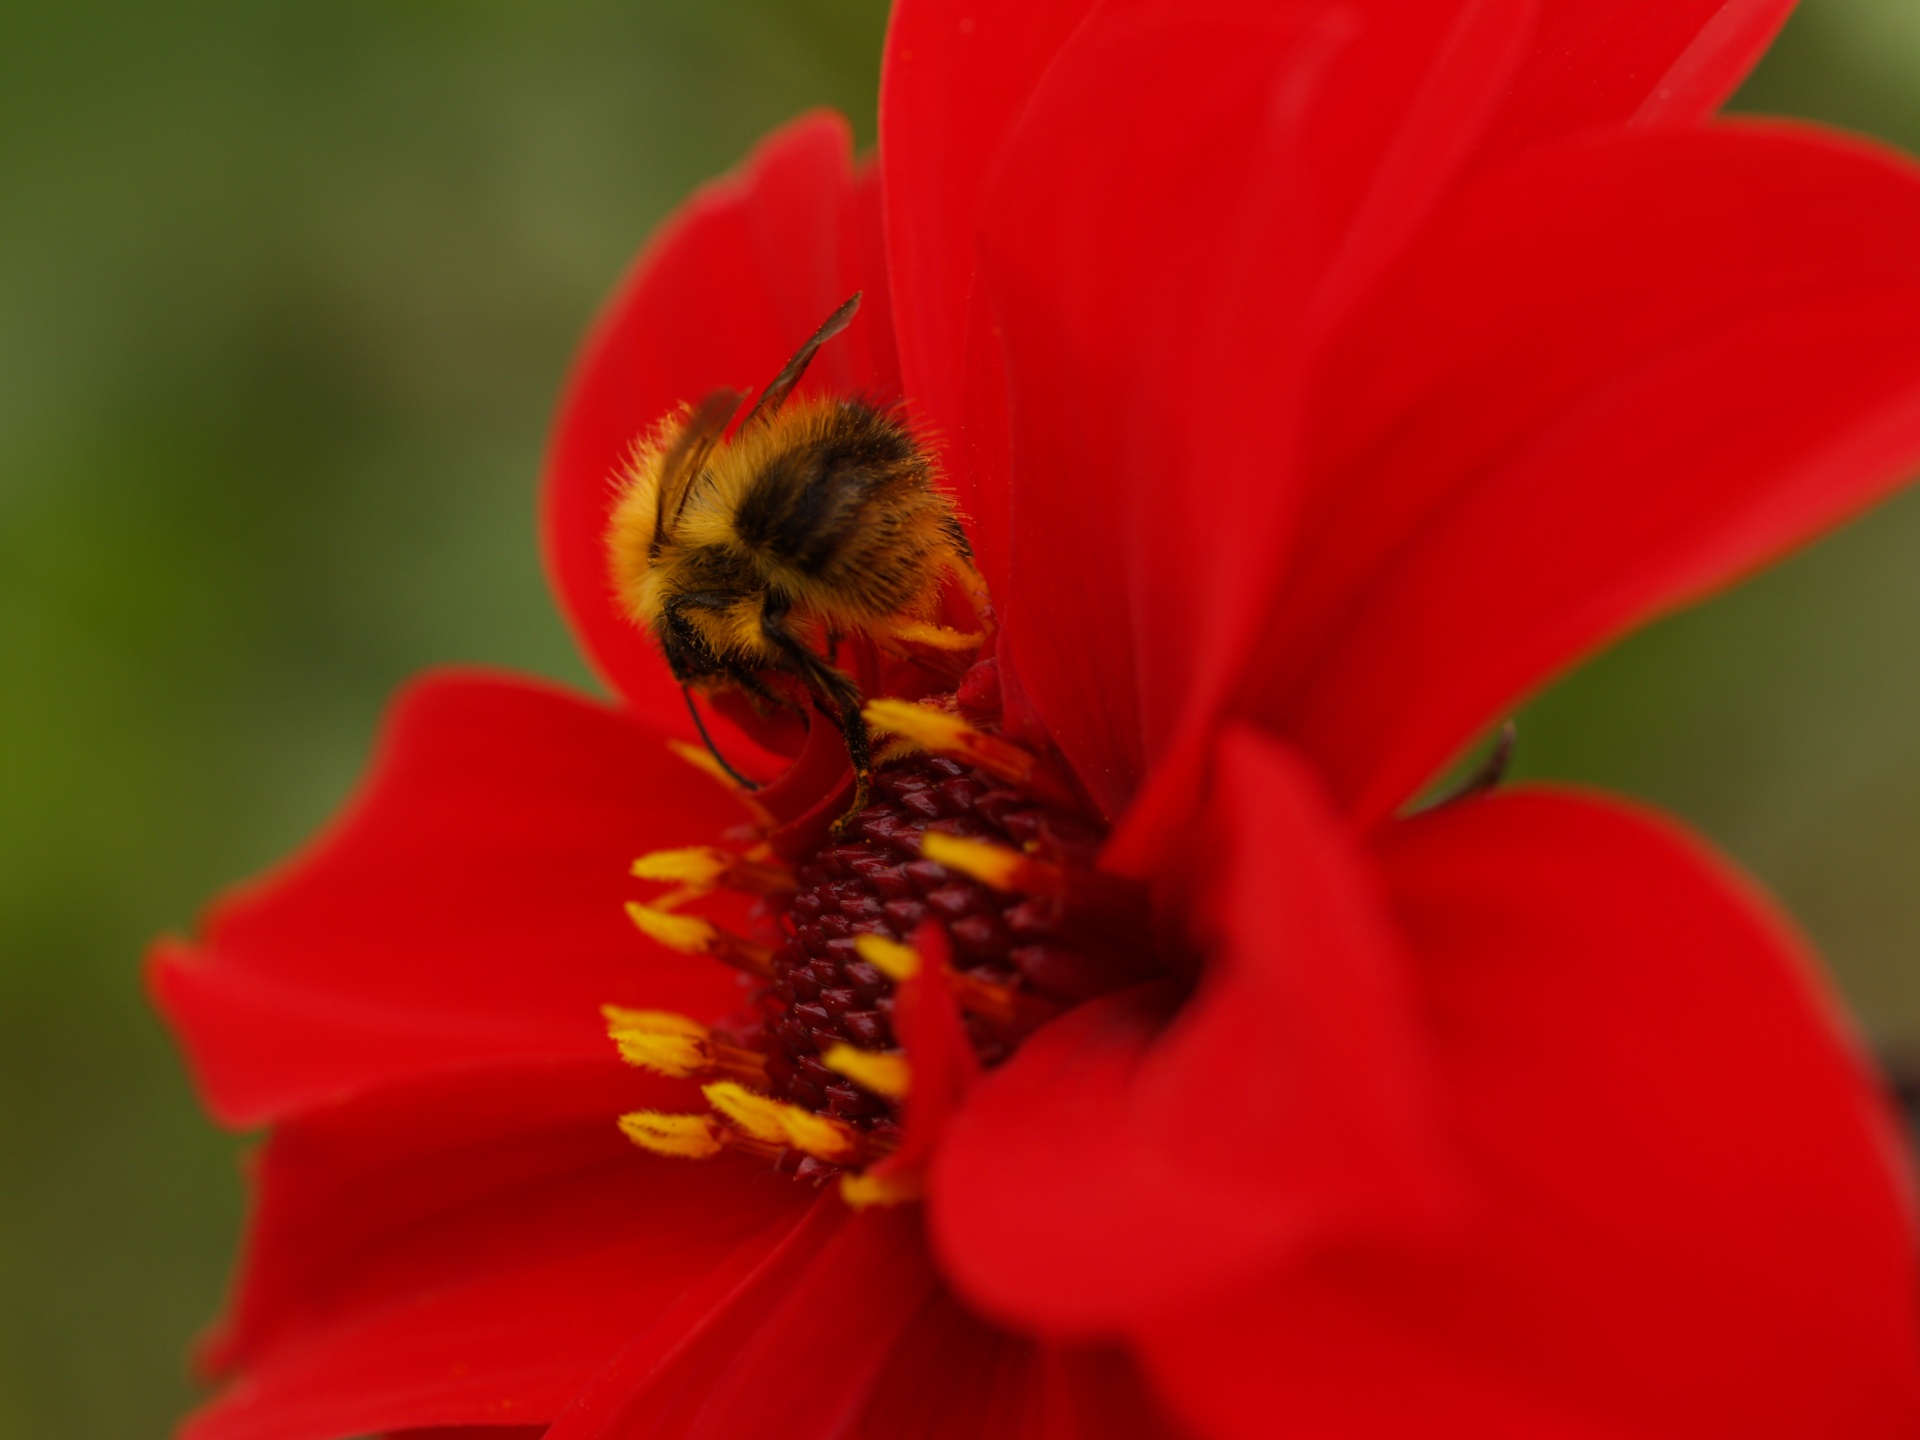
(1318,377)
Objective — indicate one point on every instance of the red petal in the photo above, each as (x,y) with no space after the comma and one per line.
(1612,379)
(1110,1170)
(927,1021)
(721,297)
(468,1250)
(467,909)
(1630,62)
(1695,1218)
(792,1348)
(841,1330)
(952,1376)
(1156,290)
(946,59)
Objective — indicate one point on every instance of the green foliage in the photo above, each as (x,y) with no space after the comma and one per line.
(286,295)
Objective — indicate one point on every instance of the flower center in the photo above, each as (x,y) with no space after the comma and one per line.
(958,910)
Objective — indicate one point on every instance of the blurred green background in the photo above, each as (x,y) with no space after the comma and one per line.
(285,295)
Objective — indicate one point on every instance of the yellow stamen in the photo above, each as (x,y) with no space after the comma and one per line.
(900,963)
(892,959)
(690,935)
(700,868)
(886,1075)
(1002,1003)
(654,1022)
(660,1041)
(676,1046)
(936,637)
(894,749)
(939,730)
(860,1191)
(948,734)
(1000,866)
(685,1137)
(700,865)
(778,1123)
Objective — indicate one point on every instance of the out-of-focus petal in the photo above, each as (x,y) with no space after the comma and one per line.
(467,909)
(792,1347)
(947,59)
(840,1329)
(742,274)
(1191,199)
(1596,63)
(468,1250)
(1112,1169)
(1612,379)
(953,1376)
(1695,1219)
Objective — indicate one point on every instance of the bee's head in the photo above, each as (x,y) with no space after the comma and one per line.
(687,653)
(665,467)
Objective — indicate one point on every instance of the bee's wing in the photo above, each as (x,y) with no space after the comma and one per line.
(782,384)
(682,465)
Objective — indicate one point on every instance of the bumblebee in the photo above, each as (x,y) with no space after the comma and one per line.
(757,554)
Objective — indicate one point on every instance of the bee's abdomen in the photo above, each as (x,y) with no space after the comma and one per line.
(850,509)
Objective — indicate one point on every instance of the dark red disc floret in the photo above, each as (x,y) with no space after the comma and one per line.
(874,880)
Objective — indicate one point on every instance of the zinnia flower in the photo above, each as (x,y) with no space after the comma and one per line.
(1317,378)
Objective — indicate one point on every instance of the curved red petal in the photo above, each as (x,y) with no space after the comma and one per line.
(952,1376)
(466,909)
(1599,63)
(720,298)
(791,1347)
(1193,196)
(468,1250)
(840,1329)
(1286,1107)
(945,59)
(1696,1219)
(1612,379)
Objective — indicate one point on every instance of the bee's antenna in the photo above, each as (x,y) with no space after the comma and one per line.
(712,749)
(775,395)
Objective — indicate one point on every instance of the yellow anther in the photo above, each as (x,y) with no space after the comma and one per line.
(861,1191)
(685,1137)
(932,729)
(948,734)
(654,1022)
(678,1057)
(892,959)
(936,637)
(677,1046)
(700,868)
(886,1075)
(894,749)
(1000,866)
(700,865)
(688,934)
(779,1123)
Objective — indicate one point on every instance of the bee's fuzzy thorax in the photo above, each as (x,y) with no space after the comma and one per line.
(826,511)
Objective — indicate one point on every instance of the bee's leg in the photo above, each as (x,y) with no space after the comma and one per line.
(853,727)
(712,749)
(834,696)
(838,698)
